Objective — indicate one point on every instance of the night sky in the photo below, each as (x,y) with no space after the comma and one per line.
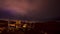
(48,10)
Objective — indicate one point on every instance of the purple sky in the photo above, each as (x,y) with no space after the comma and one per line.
(47,9)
